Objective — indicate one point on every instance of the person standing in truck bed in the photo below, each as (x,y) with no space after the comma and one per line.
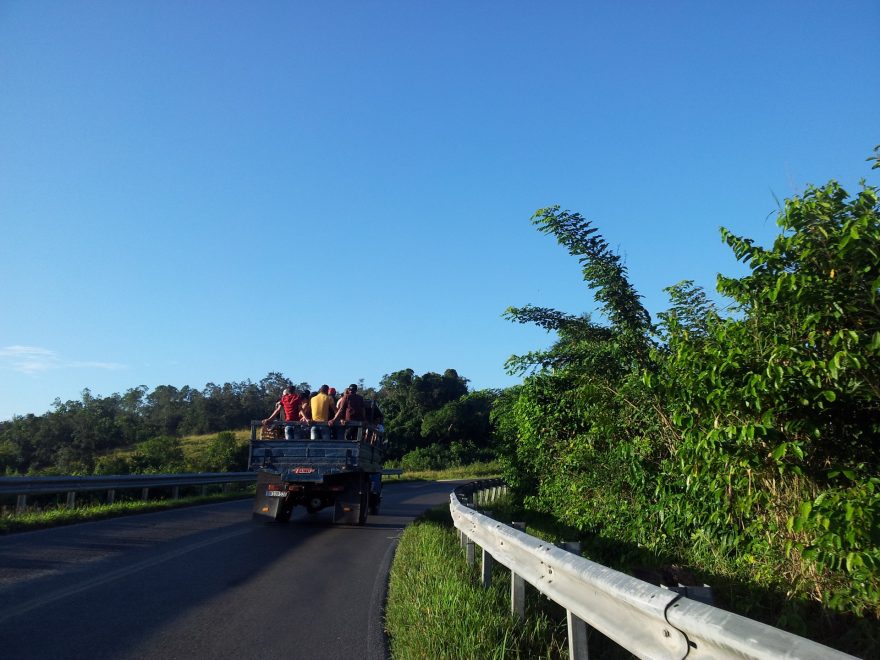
(305,413)
(290,403)
(350,409)
(323,410)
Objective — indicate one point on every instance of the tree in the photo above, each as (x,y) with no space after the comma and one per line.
(164,409)
(405,399)
(466,418)
(750,439)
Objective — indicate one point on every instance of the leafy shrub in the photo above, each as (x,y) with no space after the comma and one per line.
(432,457)
(746,442)
(160,454)
(223,454)
(112,464)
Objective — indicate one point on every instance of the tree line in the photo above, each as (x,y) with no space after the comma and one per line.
(431,420)
(745,440)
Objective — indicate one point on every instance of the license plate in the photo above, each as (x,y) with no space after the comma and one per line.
(275,493)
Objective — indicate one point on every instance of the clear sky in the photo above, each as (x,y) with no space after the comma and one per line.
(195,192)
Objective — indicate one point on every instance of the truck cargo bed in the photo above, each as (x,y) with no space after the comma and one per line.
(311,460)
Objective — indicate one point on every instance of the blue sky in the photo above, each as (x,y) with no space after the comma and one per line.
(195,192)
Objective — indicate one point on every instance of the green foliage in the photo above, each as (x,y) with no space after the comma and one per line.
(112,464)
(72,437)
(226,454)
(768,403)
(85,437)
(476,470)
(464,419)
(434,408)
(840,529)
(747,440)
(432,457)
(161,454)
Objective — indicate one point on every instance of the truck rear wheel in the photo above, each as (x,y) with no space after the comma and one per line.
(284,512)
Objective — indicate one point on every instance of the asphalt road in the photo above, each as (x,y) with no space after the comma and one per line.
(204,582)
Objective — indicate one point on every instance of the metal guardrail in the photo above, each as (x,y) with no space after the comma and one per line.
(22,487)
(649,621)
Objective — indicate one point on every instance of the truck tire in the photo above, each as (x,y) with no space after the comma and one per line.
(284,512)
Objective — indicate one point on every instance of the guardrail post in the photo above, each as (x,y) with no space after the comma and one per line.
(469,552)
(577,638)
(518,586)
(578,648)
(175,492)
(145,494)
(71,499)
(486,577)
(111,496)
(20,504)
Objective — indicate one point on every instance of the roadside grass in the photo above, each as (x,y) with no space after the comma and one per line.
(437,609)
(56,517)
(470,471)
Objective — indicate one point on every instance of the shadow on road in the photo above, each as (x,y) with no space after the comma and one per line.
(205,580)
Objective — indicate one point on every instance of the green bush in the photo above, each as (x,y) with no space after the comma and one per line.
(746,443)
(112,464)
(223,454)
(161,454)
(432,457)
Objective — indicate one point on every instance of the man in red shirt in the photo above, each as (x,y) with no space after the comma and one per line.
(290,403)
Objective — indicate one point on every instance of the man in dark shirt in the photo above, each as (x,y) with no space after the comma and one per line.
(349,409)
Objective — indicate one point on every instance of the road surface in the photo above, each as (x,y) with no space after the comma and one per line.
(204,582)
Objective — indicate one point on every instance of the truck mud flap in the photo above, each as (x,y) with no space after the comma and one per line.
(351,505)
(270,507)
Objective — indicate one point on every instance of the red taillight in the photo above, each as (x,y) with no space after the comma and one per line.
(274,487)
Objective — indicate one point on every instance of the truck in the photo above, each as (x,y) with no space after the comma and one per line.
(342,470)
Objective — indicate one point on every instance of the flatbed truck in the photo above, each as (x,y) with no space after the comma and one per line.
(343,471)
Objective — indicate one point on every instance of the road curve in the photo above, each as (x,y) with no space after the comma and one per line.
(204,582)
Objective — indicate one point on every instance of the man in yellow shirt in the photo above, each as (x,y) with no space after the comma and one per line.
(323,410)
